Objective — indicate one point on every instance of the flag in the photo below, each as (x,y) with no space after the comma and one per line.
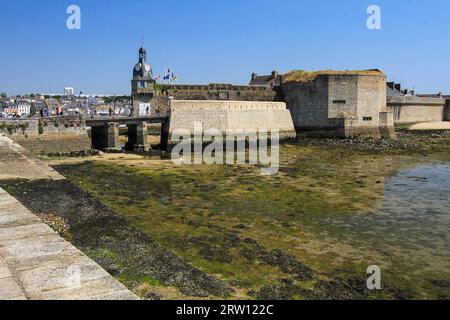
(174,77)
(167,75)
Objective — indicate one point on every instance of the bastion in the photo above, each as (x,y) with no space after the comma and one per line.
(345,103)
(246,116)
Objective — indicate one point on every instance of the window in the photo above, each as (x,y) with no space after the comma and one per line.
(340,101)
(367,118)
(142,85)
(223,95)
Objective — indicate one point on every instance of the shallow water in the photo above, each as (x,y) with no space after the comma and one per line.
(409,234)
(332,210)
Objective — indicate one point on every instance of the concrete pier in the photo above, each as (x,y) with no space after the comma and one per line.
(105,137)
(142,143)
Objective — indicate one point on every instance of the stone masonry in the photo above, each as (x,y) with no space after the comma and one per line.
(412,109)
(231,115)
(56,135)
(348,103)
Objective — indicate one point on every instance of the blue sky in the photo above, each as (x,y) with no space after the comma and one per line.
(218,41)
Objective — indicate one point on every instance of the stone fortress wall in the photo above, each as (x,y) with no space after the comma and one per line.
(346,103)
(406,109)
(55,136)
(217,91)
(231,115)
(412,109)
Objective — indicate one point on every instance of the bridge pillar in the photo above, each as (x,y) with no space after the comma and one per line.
(165,135)
(138,137)
(447,110)
(142,143)
(105,137)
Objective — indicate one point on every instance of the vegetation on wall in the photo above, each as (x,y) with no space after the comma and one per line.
(306,76)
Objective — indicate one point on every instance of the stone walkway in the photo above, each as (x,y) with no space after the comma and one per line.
(9,289)
(35,262)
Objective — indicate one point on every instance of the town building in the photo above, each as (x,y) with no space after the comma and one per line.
(52,105)
(23,108)
(69,91)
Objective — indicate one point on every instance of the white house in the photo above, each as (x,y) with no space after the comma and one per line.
(23,108)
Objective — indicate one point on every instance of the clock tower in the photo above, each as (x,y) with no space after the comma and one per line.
(142,85)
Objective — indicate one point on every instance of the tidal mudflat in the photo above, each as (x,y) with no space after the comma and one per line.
(309,232)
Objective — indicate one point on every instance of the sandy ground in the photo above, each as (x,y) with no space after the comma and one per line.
(431,126)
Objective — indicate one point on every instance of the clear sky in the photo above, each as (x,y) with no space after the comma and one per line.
(218,41)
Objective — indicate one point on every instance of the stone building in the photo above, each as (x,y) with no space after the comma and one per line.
(271,81)
(346,103)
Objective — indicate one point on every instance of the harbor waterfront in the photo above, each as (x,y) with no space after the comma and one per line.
(225,158)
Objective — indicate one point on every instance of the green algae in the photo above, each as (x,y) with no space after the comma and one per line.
(317,210)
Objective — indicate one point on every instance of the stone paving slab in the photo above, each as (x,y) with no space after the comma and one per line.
(9,289)
(36,263)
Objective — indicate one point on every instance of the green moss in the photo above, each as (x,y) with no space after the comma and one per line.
(126,278)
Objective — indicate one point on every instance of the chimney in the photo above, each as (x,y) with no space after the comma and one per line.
(254,75)
(391,85)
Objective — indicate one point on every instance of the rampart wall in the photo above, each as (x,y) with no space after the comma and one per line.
(220,92)
(416,109)
(231,115)
(49,136)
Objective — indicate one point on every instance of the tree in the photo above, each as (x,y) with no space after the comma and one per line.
(3,95)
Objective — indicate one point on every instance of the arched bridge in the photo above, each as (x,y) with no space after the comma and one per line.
(105,131)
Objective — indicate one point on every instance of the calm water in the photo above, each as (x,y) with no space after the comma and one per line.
(409,233)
